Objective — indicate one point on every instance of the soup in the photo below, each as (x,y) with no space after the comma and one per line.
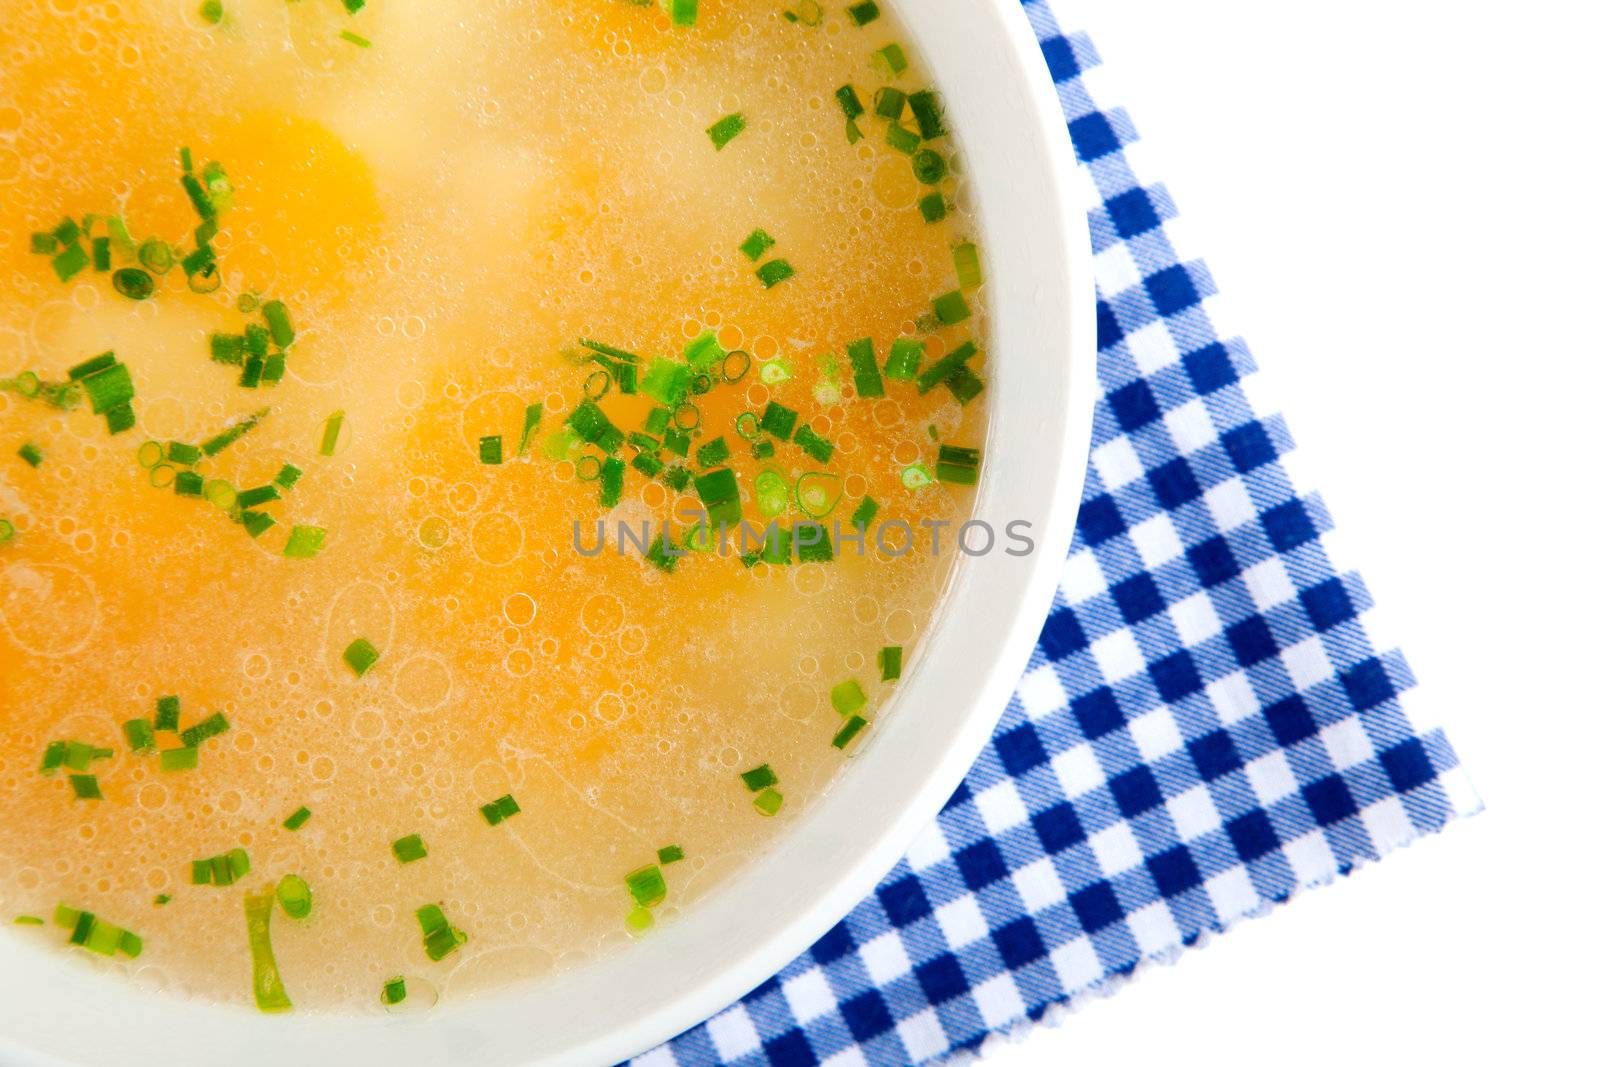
(471,473)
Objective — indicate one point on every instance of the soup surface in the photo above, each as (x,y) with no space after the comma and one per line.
(417,305)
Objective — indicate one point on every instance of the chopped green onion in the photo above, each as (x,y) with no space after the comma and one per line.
(439,938)
(849,102)
(30,454)
(722,131)
(394,992)
(930,118)
(774,271)
(889,103)
(772,492)
(946,366)
(814,549)
(295,896)
(659,555)
(227,348)
(847,697)
(963,384)
(712,453)
(180,759)
(847,733)
(755,246)
(298,819)
(607,350)
(684,12)
(256,523)
(167,714)
(188,483)
(119,418)
(55,754)
(677,477)
(69,262)
(212,445)
(891,58)
(7,531)
(409,849)
(905,357)
(669,854)
(915,477)
(759,778)
(889,662)
(277,317)
(489,452)
(134,283)
(497,811)
(352,6)
(108,388)
(156,256)
(162,899)
(778,420)
(355,39)
(929,167)
(969,271)
(141,738)
(211,12)
(265,980)
(67,231)
(261,494)
(763,449)
(703,353)
(42,244)
(85,786)
(330,433)
(223,870)
(611,472)
(360,655)
(287,476)
(639,920)
(768,802)
(719,492)
(951,308)
(204,730)
(817,447)
(531,416)
(864,362)
(647,885)
(933,207)
(862,13)
(901,139)
(104,361)
(149,454)
(304,541)
(27,920)
(818,493)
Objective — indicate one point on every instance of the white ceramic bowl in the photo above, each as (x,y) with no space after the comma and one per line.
(1041,374)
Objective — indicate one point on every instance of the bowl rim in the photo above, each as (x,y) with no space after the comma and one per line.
(720,952)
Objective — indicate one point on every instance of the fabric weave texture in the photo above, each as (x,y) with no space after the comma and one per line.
(1205,728)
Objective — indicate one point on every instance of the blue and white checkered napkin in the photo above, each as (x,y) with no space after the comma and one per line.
(1205,727)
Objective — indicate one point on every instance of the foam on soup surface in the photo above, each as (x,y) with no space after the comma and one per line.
(399,316)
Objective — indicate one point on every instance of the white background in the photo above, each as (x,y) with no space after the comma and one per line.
(1398,201)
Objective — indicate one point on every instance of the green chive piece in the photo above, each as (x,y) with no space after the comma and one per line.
(355,39)
(755,246)
(669,854)
(67,232)
(677,477)
(659,555)
(133,283)
(849,102)
(648,885)
(156,256)
(774,271)
(212,445)
(27,920)
(719,492)
(905,358)
(607,350)
(589,421)
(331,430)
(352,6)
(951,308)
(811,542)
(211,12)
(901,139)
(963,384)
(666,382)
(167,714)
(188,483)
(55,754)
(85,786)
(684,12)
(42,244)
(929,114)
(915,477)
(864,362)
(712,453)
(704,353)
(255,340)
(818,448)
(69,262)
(969,271)
(119,418)
(639,920)
(759,778)
(957,466)
(778,420)
(109,388)
(394,992)
(439,938)
(7,531)
(141,738)
(30,454)
(256,523)
(847,733)
(889,662)
(929,166)
(278,324)
(847,697)
(261,494)
(862,13)
(287,476)
(304,541)
(180,759)
(360,655)
(611,472)
(489,451)
(933,207)
(768,802)
(409,849)
(531,416)
(227,348)
(298,819)
(722,131)
(946,366)
(265,980)
(204,730)
(104,361)
(295,896)
(498,811)
(891,58)
(889,103)
(162,899)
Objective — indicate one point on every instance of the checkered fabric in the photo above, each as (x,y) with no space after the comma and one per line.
(1204,729)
